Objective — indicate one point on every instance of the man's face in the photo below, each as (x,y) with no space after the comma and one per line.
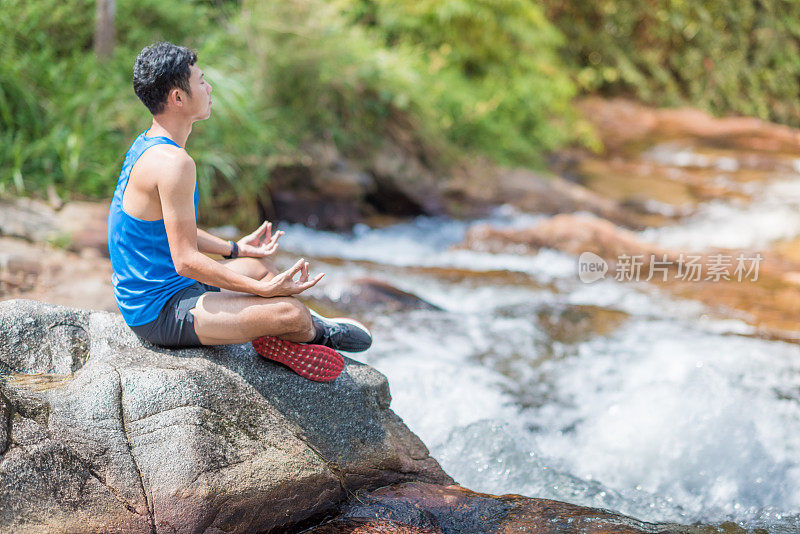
(198,105)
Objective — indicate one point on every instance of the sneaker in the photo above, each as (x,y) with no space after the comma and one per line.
(341,333)
(314,362)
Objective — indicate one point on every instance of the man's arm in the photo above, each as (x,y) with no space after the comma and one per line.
(212,244)
(176,190)
(258,244)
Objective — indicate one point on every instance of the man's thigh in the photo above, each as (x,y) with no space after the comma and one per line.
(230,317)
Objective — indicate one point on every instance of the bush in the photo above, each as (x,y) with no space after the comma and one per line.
(490,70)
(723,56)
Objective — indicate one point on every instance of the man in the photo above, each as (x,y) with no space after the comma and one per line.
(168,291)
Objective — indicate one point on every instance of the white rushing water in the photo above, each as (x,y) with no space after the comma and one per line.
(772,211)
(665,415)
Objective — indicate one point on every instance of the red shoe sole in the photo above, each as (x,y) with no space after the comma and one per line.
(315,362)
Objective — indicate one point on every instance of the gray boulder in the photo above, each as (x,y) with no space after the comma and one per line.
(101,432)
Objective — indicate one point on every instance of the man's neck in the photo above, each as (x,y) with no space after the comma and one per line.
(172,127)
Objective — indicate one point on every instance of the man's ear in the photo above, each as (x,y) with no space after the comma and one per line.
(175,97)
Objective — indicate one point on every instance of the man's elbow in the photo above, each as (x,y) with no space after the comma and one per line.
(184,266)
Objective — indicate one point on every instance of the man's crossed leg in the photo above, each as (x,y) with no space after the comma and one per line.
(230,317)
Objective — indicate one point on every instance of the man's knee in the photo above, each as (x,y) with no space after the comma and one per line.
(293,316)
(266,266)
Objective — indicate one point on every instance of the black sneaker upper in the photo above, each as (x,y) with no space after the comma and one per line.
(341,335)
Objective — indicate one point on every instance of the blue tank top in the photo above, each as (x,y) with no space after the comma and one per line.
(144,276)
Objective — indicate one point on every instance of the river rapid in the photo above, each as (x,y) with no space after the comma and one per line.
(607,394)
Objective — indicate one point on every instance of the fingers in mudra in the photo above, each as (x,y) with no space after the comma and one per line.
(257,248)
(292,286)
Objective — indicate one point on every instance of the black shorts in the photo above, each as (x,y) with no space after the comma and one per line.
(174,326)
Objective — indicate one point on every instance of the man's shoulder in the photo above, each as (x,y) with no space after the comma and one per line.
(167,161)
(166,154)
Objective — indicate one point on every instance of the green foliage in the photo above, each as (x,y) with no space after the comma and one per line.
(65,118)
(726,56)
(321,77)
(493,77)
(490,70)
(448,77)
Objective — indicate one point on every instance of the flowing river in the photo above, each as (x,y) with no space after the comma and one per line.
(604,394)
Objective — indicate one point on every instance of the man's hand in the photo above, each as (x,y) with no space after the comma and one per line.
(260,243)
(284,284)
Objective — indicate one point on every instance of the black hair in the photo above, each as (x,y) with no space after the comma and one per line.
(159,68)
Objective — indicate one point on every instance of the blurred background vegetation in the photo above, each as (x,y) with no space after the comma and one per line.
(495,78)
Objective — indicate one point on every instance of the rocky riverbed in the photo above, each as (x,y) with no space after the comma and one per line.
(670,183)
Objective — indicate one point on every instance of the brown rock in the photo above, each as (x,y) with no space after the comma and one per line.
(430,508)
(569,233)
(622,123)
(770,301)
(55,275)
(482,184)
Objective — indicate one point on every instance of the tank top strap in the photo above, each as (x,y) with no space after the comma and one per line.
(140,144)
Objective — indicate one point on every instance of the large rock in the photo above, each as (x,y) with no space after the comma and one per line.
(327,190)
(100,432)
(478,183)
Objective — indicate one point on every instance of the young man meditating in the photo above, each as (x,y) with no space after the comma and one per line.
(168,291)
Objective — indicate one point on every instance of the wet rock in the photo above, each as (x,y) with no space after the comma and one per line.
(768,298)
(624,123)
(363,295)
(143,439)
(578,323)
(569,233)
(648,189)
(430,508)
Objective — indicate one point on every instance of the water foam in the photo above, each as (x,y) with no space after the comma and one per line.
(672,416)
